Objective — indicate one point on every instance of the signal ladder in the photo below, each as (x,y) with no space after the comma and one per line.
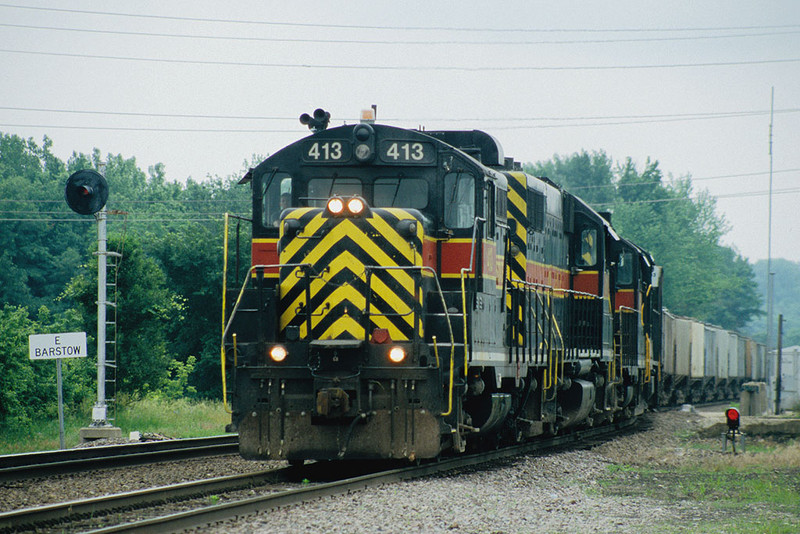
(113,260)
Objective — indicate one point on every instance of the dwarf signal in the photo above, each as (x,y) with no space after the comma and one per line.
(732,416)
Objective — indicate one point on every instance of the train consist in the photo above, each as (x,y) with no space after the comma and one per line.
(414,293)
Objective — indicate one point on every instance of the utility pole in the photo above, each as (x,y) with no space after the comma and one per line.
(770,274)
(778,384)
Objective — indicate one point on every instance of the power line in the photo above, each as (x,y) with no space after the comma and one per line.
(425,42)
(130,221)
(718,114)
(388,27)
(138,129)
(692,179)
(664,119)
(248,200)
(214,216)
(390,68)
(729,195)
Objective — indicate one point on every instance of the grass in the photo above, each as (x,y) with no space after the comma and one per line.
(173,418)
(758,491)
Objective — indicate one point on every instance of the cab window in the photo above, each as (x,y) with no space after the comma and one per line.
(625,269)
(587,255)
(400,192)
(459,200)
(321,189)
(276,197)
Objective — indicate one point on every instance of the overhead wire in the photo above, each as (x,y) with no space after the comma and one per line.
(530,121)
(717,114)
(391,27)
(403,68)
(362,41)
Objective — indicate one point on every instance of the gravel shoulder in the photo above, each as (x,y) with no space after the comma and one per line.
(633,483)
(575,491)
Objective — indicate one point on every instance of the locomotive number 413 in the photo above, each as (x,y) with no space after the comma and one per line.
(326,151)
(406,152)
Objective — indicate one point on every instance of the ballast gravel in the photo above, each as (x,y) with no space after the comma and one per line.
(552,493)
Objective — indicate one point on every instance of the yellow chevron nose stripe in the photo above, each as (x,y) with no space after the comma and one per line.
(332,293)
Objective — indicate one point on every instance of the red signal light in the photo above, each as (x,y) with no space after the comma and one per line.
(732,415)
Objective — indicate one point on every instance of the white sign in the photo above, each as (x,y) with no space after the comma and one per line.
(50,346)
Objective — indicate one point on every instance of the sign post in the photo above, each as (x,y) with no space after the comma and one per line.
(55,347)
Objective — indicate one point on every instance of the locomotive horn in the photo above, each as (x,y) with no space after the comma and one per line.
(317,123)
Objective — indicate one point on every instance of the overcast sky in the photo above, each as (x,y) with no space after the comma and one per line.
(203,86)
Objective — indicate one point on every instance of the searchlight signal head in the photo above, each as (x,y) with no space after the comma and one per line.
(318,122)
(86,192)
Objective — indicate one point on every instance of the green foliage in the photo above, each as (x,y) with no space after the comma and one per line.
(170,235)
(177,385)
(37,255)
(786,300)
(702,278)
(28,388)
(173,418)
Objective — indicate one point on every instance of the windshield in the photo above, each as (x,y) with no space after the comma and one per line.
(277,196)
(459,200)
(321,189)
(401,192)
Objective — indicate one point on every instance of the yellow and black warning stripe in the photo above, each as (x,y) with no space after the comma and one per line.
(330,295)
(517,207)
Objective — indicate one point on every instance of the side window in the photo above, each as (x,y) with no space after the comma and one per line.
(321,189)
(587,255)
(400,192)
(625,269)
(459,200)
(488,209)
(501,209)
(277,196)
(536,210)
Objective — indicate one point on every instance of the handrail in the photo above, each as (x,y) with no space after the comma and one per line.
(550,377)
(224,291)
(464,271)
(555,378)
(464,316)
(647,357)
(247,281)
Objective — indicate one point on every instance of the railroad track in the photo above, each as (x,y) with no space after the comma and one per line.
(63,515)
(46,463)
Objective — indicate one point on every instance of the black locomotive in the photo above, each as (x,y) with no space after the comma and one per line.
(414,293)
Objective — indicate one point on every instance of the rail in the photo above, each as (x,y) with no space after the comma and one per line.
(45,463)
(220,512)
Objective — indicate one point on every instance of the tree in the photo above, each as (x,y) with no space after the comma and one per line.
(585,175)
(702,278)
(28,388)
(37,255)
(147,312)
(171,269)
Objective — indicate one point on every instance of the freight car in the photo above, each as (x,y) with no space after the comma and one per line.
(705,363)
(414,293)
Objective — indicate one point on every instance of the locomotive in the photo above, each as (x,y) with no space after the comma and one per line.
(413,293)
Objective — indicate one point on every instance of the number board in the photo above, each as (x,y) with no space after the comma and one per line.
(407,152)
(327,151)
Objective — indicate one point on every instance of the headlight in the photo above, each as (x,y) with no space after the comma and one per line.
(336,206)
(278,353)
(355,206)
(397,354)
